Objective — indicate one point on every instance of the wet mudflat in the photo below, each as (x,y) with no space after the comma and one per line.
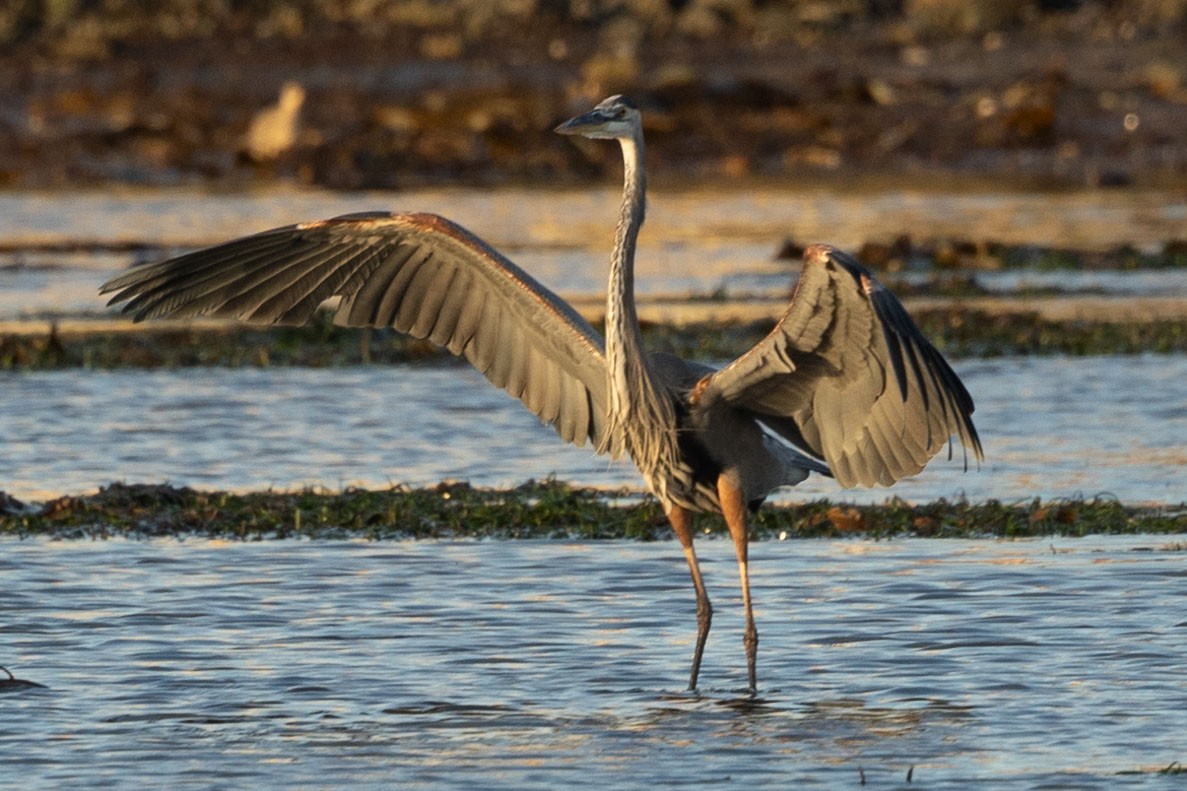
(1044,663)
(1065,93)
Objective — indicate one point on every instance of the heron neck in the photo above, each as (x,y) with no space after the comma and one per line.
(622,322)
(640,418)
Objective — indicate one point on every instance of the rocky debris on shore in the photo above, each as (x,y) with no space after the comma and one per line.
(544,509)
(1046,92)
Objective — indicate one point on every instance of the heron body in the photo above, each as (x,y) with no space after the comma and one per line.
(844,385)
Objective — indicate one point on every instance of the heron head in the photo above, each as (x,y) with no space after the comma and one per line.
(614,118)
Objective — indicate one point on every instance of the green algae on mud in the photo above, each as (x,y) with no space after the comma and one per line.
(955,331)
(547,509)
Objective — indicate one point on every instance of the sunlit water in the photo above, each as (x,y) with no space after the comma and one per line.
(1052,427)
(696,241)
(528,217)
(524,665)
(538,665)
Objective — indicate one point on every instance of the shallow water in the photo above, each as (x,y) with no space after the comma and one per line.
(696,241)
(530,217)
(198,664)
(535,665)
(1052,427)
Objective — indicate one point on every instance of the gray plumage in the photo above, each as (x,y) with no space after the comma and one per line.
(418,273)
(845,384)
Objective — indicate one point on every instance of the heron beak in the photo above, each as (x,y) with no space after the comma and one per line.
(582,124)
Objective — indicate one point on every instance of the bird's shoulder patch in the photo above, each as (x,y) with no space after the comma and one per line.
(819,254)
(354,219)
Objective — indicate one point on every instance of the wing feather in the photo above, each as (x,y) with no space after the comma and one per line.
(847,376)
(418,273)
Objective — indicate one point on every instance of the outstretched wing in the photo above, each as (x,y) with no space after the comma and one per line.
(846,375)
(419,273)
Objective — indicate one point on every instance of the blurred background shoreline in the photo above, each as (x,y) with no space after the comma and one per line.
(1058,94)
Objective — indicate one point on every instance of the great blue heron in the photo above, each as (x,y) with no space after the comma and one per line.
(844,385)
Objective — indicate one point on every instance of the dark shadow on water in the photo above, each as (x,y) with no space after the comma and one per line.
(14,684)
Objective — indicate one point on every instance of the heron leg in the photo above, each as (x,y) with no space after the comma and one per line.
(682,525)
(733,508)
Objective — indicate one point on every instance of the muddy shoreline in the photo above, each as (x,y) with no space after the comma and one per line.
(1044,94)
(989,328)
(535,510)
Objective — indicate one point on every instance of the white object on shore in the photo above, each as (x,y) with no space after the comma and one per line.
(274,130)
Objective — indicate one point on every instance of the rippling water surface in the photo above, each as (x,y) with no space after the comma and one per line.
(696,241)
(1052,427)
(536,665)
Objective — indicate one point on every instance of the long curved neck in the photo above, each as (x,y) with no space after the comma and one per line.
(623,338)
(641,418)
